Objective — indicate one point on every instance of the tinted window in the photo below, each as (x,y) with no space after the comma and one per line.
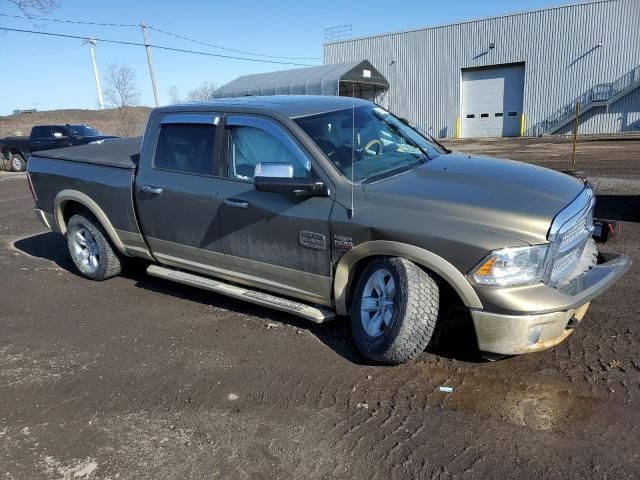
(58,132)
(44,132)
(186,148)
(38,132)
(83,131)
(249,146)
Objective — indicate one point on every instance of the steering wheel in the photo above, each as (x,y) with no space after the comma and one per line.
(373,142)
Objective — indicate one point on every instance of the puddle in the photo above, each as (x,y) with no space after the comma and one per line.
(539,406)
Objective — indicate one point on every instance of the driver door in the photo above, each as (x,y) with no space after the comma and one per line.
(265,236)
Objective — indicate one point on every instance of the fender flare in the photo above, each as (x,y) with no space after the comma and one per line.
(420,256)
(75,196)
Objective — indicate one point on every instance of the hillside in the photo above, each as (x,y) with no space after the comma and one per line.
(127,122)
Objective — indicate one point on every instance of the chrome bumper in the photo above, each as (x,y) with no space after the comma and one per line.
(516,334)
(540,323)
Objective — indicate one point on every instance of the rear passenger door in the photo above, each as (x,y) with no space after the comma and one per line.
(273,240)
(176,193)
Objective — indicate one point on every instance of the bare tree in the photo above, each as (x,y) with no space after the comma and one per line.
(203,92)
(120,86)
(174,94)
(28,6)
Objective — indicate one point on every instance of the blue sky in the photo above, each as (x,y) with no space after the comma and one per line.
(49,73)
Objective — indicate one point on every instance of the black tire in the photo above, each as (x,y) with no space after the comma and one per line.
(17,162)
(107,259)
(415,312)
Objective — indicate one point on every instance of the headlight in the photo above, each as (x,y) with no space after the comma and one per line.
(511,266)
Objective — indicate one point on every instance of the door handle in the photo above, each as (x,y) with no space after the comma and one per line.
(150,190)
(231,202)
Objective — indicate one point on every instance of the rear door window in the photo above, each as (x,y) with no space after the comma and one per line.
(186,148)
(41,132)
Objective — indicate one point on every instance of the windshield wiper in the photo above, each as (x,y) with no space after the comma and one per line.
(431,137)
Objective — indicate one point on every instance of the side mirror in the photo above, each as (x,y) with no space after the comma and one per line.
(278,178)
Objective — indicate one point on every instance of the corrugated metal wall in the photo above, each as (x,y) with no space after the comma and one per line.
(557,45)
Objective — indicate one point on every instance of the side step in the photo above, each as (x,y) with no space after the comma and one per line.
(315,314)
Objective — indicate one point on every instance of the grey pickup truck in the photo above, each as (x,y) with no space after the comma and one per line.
(332,206)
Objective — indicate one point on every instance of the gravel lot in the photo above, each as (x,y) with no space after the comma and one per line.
(139,378)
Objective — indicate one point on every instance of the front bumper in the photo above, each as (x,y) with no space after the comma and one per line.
(532,318)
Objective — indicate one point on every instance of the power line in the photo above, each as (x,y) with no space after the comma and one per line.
(60,20)
(226,48)
(164,32)
(161,47)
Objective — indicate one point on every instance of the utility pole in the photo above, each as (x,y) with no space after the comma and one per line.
(151,73)
(92,43)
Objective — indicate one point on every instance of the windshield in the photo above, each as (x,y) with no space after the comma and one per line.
(382,144)
(83,131)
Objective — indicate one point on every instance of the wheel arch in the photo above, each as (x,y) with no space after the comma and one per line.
(352,261)
(67,199)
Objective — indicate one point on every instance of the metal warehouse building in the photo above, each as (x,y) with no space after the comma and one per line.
(518,74)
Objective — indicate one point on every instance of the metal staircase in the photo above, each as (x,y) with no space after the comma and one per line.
(601,95)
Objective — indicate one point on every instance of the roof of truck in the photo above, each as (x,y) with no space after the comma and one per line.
(291,106)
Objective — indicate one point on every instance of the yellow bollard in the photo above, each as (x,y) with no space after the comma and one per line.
(575,136)
(457,127)
(522,125)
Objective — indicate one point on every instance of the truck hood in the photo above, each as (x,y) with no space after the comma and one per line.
(504,196)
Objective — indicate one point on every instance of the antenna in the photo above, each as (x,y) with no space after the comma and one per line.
(352,210)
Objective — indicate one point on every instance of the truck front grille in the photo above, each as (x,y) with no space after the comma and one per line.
(569,234)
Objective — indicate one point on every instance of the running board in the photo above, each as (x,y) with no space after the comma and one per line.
(315,314)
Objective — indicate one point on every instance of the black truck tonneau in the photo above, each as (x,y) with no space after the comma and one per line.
(119,153)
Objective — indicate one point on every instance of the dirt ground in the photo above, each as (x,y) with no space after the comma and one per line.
(139,378)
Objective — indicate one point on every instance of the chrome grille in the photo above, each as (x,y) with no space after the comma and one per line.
(568,235)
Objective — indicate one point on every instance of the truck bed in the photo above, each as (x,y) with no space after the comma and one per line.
(119,153)
(102,173)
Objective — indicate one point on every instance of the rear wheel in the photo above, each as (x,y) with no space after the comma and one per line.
(90,249)
(17,162)
(394,310)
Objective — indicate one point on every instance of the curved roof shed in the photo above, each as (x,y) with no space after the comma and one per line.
(333,79)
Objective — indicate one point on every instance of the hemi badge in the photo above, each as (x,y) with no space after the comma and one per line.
(343,243)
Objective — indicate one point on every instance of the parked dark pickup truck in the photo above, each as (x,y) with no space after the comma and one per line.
(47,137)
(325,206)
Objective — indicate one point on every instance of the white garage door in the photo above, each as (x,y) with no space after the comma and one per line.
(492,101)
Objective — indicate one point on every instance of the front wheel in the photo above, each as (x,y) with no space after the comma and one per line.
(90,249)
(394,310)
(17,162)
